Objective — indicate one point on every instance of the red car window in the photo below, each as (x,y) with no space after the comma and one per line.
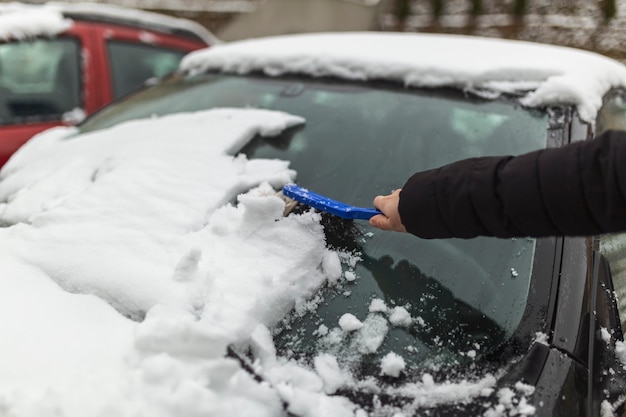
(134,63)
(40,80)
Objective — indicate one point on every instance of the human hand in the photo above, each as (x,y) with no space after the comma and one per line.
(390,219)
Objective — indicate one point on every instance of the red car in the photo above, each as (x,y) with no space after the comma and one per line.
(61,62)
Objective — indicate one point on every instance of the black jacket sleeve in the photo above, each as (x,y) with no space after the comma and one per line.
(576,190)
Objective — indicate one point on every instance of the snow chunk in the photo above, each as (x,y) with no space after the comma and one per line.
(620,352)
(322,330)
(331,266)
(328,369)
(400,317)
(296,376)
(349,323)
(606,409)
(187,267)
(378,306)
(392,364)
(350,276)
(510,405)
(372,334)
(177,332)
(429,394)
(262,345)
(541,338)
(308,404)
(525,389)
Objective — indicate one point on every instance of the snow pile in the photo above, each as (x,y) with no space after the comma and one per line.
(392,364)
(556,75)
(138,216)
(349,323)
(400,317)
(17,22)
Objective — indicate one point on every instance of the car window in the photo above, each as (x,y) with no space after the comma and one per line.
(39,80)
(132,64)
(447,301)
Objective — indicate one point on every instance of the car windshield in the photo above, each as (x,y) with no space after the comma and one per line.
(434,302)
(39,80)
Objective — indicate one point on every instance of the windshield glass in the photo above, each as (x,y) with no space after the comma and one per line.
(39,80)
(433,302)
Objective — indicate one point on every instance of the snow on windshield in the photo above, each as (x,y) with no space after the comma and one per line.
(132,257)
(20,23)
(137,218)
(556,75)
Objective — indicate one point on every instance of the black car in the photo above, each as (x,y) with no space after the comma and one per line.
(502,326)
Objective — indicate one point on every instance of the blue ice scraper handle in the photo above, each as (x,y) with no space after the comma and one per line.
(328,205)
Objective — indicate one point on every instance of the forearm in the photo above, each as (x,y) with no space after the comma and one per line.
(576,190)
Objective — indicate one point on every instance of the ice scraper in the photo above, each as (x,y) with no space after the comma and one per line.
(328,205)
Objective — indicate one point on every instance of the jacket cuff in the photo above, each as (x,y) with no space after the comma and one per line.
(418,206)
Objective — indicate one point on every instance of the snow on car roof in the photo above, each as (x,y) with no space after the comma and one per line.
(21,20)
(552,74)
(22,23)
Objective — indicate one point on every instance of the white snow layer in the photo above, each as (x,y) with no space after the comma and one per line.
(19,20)
(17,23)
(137,217)
(555,74)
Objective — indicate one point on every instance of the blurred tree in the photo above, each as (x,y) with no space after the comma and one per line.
(402,10)
(519,8)
(438,8)
(609,9)
(477,7)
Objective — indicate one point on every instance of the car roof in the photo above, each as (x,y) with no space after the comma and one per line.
(544,74)
(27,20)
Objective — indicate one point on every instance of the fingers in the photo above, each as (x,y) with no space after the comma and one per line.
(390,217)
(387,203)
(380,222)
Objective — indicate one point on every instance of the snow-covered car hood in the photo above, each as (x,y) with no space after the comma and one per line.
(552,74)
(136,219)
